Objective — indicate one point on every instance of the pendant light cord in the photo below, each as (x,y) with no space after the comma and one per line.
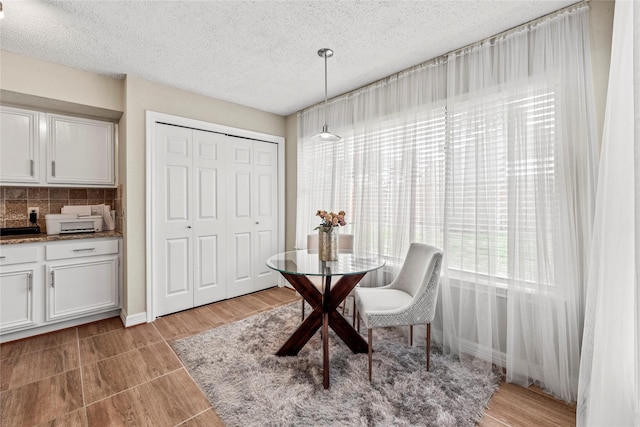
(325,88)
(325,135)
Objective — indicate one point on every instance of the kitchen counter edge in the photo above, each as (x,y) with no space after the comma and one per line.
(31,238)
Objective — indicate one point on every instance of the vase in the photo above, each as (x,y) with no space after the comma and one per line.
(328,245)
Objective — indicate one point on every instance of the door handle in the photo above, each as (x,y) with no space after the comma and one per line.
(188,226)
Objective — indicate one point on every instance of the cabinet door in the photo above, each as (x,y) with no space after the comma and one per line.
(86,286)
(19,146)
(81,151)
(16,299)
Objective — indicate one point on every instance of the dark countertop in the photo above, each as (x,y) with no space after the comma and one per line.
(43,237)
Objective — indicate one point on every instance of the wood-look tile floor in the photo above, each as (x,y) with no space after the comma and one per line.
(102,374)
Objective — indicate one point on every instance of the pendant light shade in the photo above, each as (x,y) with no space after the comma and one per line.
(325,135)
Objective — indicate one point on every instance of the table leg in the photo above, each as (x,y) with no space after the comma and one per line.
(345,331)
(302,335)
(325,349)
(323,315)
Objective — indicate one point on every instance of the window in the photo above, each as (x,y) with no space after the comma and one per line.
(500,165)
(483,162)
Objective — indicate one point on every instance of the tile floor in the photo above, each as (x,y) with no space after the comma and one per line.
(101,374)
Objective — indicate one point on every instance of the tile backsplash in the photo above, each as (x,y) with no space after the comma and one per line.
(14,202)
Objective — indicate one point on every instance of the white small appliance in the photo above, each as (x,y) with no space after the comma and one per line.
(73,223)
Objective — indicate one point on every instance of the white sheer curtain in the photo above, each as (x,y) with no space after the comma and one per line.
(609,392)
(489,153)
(521,179)
(388,173)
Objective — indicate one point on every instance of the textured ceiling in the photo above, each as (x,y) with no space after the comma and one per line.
(261,54)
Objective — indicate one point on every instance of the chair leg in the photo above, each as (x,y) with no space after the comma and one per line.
(410,335)
(353,312)
(302,308)
(428,343)
(370,336)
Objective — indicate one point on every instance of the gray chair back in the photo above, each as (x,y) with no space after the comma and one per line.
(345,242)
(420,278)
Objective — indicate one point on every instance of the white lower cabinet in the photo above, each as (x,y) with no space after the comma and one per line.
(44,285)
(82,287)
(17,300)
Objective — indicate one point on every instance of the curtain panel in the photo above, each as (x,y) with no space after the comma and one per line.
(489,153)
(609,387)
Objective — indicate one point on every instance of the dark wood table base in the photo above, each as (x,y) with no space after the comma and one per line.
(325,315)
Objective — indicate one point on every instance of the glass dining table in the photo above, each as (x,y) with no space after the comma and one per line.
(296,267)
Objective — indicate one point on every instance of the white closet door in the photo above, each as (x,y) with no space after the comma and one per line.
(173,215)
(240,221)
(209,176)
(215,217)
(265,200)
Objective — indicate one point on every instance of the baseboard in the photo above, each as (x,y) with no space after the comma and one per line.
(133,319)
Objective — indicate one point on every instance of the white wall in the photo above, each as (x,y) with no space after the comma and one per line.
(601,27)
(31,76)
(142,95)
(291,184)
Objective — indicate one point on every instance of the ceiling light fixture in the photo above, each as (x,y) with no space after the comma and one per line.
(1,11)
(325,135)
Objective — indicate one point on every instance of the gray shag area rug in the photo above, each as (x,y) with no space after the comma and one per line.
(248,385)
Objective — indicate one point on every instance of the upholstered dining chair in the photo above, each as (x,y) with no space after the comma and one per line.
(345,244)
(410,299)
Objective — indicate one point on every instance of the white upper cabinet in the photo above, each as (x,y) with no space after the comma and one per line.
(80,151)
(55,150)
(19,146)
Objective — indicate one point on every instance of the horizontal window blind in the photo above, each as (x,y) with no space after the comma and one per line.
(501,159)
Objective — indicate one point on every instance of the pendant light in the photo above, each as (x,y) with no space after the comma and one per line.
(325,135)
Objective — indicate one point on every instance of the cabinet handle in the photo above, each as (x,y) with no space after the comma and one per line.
(52,280)
(53,168)
(2,257)
(30,279)
(31,166)
(84,250)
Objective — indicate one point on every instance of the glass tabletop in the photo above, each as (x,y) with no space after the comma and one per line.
(308,263)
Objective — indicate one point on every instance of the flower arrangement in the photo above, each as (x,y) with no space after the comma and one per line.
(328,220)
